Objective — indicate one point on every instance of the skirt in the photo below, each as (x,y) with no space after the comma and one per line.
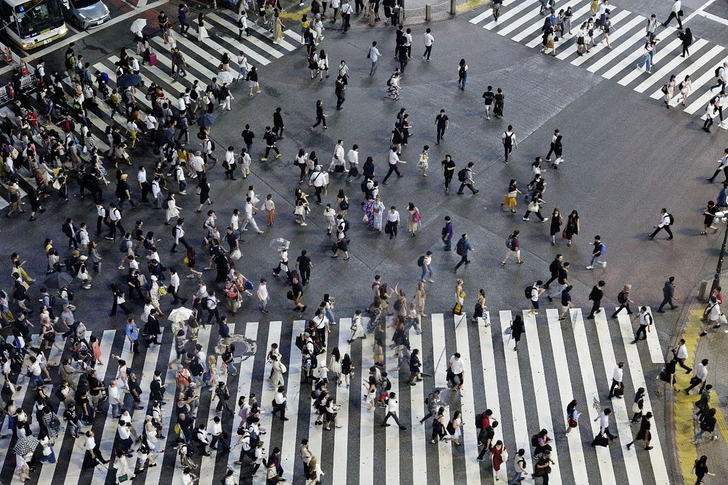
(509,201)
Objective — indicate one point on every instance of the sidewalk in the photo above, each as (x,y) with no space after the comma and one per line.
(713,347)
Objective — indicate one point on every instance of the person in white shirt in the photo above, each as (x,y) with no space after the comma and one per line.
(235,220)
(230,163)
(665,223)
(338,156)
(617,381)
(249,219)
(393,160)
(114,222)
(374,57)
(701,374)
(181,180)
(457,370)
(123,429)
(645,319)
(93,454)
(392,222)
(603,420)
(676,14)
(352,157)
(188,478)
(279,401)
(216,432)
(429,39)
(202,439)
(262,295)
(115,400)
(681,354)
(392,408)
(83,237)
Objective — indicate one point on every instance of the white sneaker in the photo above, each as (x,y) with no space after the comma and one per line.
(604,264)
(304,224)
(545,220)
(590,267)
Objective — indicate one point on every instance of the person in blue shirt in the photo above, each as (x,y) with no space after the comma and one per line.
(447,234)
(182,15)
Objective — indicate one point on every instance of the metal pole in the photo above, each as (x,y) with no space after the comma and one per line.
(719,268)
(453,7)
(428,12)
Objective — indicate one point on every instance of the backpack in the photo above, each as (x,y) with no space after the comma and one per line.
(299,341)
(528,290)
(534,440)
(717,71)
(463,175)
(479,419)
(389,82)
(69,295)
(240,22)
(316,348)
(165,204)
(460,248)
(621,298)
(421,261)
(345,223)
(509,242)
(672,219)
(602,248)
(123,245)
(212,146)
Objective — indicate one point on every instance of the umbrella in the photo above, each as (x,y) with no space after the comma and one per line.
(225,77)
(26,445)
(138,25)
(128,80)
(206,120)
(179,314)
(58,279)
(280,243)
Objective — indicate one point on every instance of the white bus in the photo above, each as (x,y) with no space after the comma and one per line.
(33,23)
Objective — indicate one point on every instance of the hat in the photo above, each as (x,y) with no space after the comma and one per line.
(306,334)
(154,278)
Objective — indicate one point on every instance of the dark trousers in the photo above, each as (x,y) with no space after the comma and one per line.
(391,415)
(507,151)
(392,229)
(280,408)
(428,51)
(322,119)
(665,301)
(175,293)
(673,15)
(440,133)
(595,308)
(550,280)
(666,228)
(621,306)
(340,100)
(210,313)
(347,20)
(184,243)
(318,193)
(463,260)
(100,221)
(538,214)
(615,384)
(305,275)
(468,185)
(681,363)
(273,147)
(697,383)
(448,180)
(184,27)
(392,169)
(641,330)
(725,172)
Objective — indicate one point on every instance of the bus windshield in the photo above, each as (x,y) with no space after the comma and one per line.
(35,16)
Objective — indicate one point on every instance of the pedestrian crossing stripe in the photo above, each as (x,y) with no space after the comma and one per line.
(525,383)
(520,21)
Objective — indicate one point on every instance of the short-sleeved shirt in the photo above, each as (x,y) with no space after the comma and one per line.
(441,120)
(304,262)
(456,365)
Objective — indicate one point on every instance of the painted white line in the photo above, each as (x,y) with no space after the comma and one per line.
(617,51)
(629,61)
(509,13)
(293,395)
(576,21)
(467,406)
(341,435)
(490,380)
(659,469)
(538,376)
(293,35)
(366,427)
(635,73)
(620,415)
(699,10)
(576,451)
(440,358)
(252,39)
(712,17)
(604,458)
(616,35)
(257,28)
(708,77)
(688,71)
(191,47)
(417,412)
(515,390)
(391,444)
(653,342)
(667,69)
(252,54)
(523,19)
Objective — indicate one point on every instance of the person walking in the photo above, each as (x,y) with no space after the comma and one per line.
(624,301)
(320,115)
(572,416)
(667,376)
(644,432)
(393,221)
(596,296)
(442,122)
(645,325)
(617,388)
(665,222)
(393,160)
(462,74)
(555,269)
(562,280)
(638,405)
(456,372)
(700,469)
(270,144)
(519,462)
(599,250)
(514,247)
(722,74)
(465,177)
(711,315)
(448,170)
(722,167)
(462,248)
(340,91)
(392,406)
(535,293)
(429,40)
(676,14)
(373,55)
(427,267)
(509,142)
(700,376)
(447,233)
(680,355)
(668,295)
(556,148)
(603,420)
(517,330)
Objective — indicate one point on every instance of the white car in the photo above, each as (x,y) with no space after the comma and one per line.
(86,13)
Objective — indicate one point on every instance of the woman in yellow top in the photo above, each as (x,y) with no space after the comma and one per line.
(278,28)
(304,26)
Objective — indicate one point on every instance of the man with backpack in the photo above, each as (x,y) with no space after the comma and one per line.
(624,301)
(514,247)
(461,248)
(599,250)
(465,177)
(665,222)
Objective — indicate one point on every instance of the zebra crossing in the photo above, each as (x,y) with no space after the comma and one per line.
(527,390)
(521,22)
